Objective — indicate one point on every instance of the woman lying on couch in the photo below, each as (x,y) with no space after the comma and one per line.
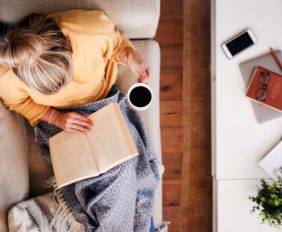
(57,69)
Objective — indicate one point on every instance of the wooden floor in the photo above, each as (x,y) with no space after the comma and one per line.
(184,37)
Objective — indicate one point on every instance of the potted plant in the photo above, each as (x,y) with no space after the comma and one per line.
(268,202)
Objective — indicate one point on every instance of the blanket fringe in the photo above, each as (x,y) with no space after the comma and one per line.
(63,219)
(163,227)
(50,183)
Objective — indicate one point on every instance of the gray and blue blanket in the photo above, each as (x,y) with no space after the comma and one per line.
(122,198)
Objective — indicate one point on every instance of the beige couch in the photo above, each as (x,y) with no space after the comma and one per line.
(22,168)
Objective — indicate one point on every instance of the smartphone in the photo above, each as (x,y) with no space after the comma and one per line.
(239,43)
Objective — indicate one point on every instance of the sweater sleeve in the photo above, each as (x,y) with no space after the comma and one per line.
(105,26)
(122,43)
(29,109)
(15,98)
(101,24)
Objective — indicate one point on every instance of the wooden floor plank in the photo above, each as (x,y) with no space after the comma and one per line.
(171,113)
(171,86)
(172,214)
(196,186)
(171,9)
(172,139)
(190,163)
(173,166)
(170,33)
(172,192)
(170,37)
(171,59)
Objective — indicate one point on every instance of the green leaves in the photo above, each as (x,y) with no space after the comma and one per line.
(268,202)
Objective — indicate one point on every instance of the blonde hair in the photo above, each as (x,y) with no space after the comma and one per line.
(38,53)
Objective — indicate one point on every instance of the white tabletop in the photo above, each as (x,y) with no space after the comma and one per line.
(233,207)
(239,141)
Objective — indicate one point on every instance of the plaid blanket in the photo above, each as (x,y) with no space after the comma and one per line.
(120,199)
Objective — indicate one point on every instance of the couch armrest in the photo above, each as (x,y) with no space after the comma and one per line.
(136,18)
(14,165)
(150,51)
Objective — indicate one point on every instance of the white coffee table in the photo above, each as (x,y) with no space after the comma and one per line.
(239,141)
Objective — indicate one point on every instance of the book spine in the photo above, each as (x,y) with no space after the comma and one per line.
(93,153)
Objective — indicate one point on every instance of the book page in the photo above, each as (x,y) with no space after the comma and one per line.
(109,140)
(71,158)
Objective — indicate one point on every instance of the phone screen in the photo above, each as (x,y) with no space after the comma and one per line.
(240,43)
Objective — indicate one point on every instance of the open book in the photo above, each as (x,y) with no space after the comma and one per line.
(79,156)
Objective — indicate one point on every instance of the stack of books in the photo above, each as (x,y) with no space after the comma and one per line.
(249,70)
(265,87)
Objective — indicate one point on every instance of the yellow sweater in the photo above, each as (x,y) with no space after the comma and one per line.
(95,47)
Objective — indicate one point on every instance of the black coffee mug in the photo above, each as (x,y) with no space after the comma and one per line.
(140,96)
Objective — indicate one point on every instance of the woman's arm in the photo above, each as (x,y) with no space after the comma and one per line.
(17,100)
(122,50)
(70,122)
(132,58)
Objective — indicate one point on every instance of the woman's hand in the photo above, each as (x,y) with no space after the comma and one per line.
(136,64)
(73,122)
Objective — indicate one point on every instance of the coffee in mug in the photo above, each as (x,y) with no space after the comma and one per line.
(140,96)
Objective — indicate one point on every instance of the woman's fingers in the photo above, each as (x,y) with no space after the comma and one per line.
(75,123)
(143,77)
(140,69)
(145,74)
(142,80)
(82,120)
(87,124)
(80,123)
(71,127)
(148,72)
(81,117)
(70,130)
(80,128)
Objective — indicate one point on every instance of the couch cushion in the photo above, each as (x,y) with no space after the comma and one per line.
(32,215)
(13,166)
(39,169)
(137,19)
